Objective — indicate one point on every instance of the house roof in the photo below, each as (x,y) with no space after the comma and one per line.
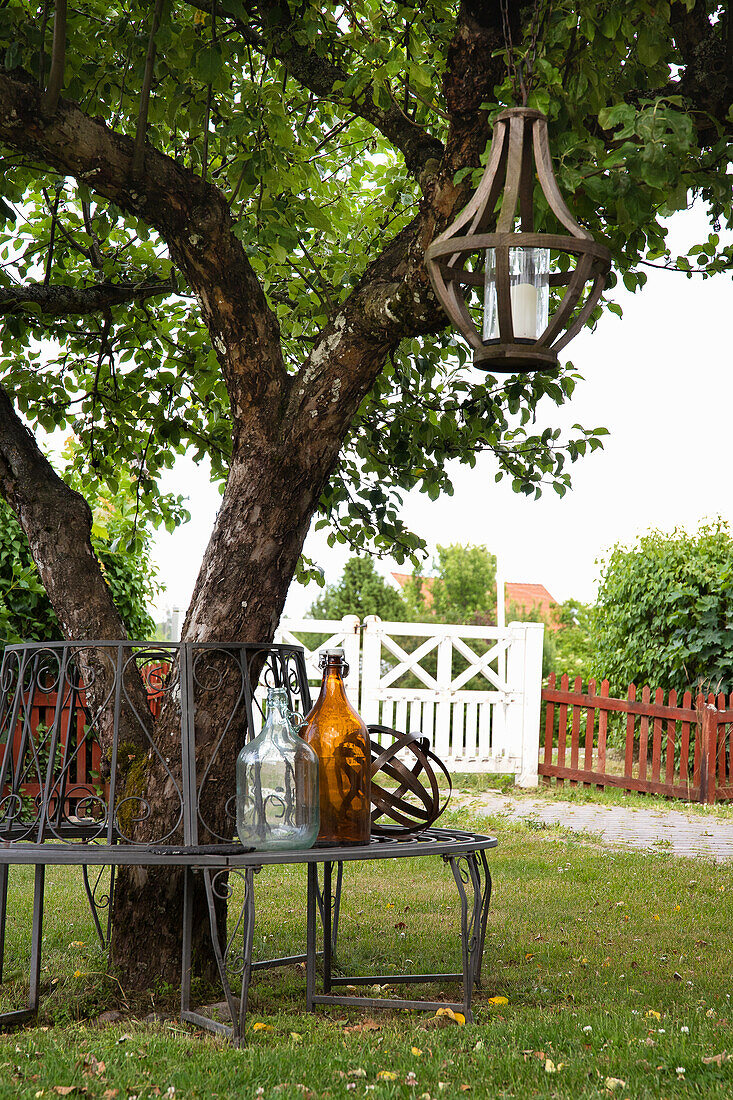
(528,596)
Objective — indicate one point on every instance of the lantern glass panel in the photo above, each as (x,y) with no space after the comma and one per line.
(529,282)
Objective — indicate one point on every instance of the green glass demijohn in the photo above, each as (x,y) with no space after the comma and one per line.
(277,784)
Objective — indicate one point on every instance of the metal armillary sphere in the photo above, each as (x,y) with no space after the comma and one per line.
(510,327)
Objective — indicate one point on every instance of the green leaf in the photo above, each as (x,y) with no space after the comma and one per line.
(209,64)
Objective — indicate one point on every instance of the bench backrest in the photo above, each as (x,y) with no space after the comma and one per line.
(69,717)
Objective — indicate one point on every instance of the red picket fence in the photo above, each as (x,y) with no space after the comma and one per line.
(679,751)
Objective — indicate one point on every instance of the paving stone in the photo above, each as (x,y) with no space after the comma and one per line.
(674,832)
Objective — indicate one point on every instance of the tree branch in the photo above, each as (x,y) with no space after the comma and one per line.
(191,215)
(319,75)
(50,99)
(138,157)
(63,301)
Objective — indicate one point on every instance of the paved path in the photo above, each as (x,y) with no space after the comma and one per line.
(684,834)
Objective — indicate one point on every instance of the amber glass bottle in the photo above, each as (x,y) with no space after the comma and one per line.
(341,742)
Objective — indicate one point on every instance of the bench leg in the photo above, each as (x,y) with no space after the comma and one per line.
(248,932)
(468,880)
(310,936)
(186,934)
(37,938)
(22,1015)
(474,893)
(3,912)
(334,903)
(216,887)
(485,903)
(98,905)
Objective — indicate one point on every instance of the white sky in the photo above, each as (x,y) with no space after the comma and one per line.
(660,379)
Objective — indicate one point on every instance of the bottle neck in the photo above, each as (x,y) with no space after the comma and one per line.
(278,717)
(333,681)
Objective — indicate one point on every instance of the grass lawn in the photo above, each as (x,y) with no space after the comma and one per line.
(615,966)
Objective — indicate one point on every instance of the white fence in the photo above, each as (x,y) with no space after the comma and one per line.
(474,691)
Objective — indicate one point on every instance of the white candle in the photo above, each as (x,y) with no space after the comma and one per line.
(524,310)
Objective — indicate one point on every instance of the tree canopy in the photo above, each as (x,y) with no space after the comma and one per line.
(215,220)
(664,615)
(306,130)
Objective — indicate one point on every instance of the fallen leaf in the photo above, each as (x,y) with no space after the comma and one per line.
(656,1015)
(718,1059)
(550,1066)
(93,1068)
(457,1017)
(465,1088)
(296,1036)
(613,1083)
(386,1075)
(64,1090)
(259,1026)
(498,1000)
(416,1051)
(357,1072)
(367,1025)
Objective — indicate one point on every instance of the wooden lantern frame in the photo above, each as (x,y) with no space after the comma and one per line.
(520,138)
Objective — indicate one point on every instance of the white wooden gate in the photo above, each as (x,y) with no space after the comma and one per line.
(474,691)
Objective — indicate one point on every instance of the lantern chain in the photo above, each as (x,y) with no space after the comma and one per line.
(523,74)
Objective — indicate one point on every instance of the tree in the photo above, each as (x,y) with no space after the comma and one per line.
(361,591)
(665,609)
(462,591)
(570,647)
(219,229)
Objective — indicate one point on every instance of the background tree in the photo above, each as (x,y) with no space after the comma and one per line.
(665,611)
(462,589)
(219,230)
(360,591)
(570,648)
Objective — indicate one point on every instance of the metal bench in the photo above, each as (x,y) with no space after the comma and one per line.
(63,801)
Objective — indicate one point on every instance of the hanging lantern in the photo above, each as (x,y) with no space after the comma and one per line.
(495,286)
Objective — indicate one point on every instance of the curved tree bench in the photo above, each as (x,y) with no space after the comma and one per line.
(70,713)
